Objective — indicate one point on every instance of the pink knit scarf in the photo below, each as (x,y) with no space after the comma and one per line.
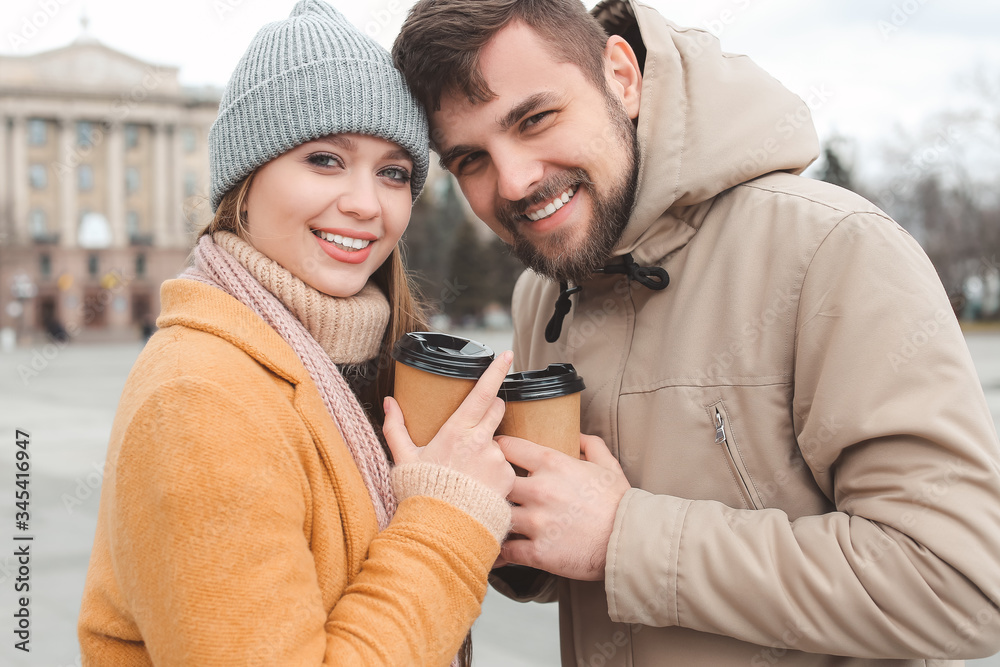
(214,266)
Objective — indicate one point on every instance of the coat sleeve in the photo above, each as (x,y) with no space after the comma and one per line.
(209,543)
(891,419)
(524,584)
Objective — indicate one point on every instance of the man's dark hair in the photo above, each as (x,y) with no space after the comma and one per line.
(438,47)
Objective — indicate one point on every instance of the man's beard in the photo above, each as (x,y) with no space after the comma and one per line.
(609,217)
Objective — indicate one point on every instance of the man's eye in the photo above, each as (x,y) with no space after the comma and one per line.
(468,160)
(537,118)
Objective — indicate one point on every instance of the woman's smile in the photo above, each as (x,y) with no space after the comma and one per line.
(346,246)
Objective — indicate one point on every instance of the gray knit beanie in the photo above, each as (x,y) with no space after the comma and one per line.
(309,76)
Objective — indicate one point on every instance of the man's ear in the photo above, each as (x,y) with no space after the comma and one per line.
(621,68)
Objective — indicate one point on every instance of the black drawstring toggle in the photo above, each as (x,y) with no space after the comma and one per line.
(563,304)
(653,277)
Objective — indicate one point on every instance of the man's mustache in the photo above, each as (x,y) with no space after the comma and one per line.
(511,213)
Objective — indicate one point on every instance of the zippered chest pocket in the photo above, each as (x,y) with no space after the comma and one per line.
(725,440)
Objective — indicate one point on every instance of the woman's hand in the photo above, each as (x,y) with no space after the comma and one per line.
(465,442)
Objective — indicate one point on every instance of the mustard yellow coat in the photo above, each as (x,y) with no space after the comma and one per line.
(235,528)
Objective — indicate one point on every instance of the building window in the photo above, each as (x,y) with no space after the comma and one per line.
(131,180)
(136,235)
(132,224)
(45,265)
(188,140)
(140,265)
(93,266)
(37,132)
(190,184)
(38,224)
(84,134)
(85,177)
(131,135)
(39,176)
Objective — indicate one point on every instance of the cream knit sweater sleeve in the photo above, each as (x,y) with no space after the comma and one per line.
(458,489)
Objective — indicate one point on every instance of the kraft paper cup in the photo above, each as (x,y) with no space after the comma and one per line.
(434,374)
(543,406)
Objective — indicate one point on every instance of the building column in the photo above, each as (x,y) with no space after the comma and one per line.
(115,154)
(7,235)
(19,179)
(66,171)
(178,222)
(161,208)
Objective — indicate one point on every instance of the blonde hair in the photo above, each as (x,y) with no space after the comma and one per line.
(407,311)
(230,216)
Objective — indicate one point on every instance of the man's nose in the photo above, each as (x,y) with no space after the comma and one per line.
(519,173)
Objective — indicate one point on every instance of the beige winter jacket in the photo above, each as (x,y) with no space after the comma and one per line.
(814,467)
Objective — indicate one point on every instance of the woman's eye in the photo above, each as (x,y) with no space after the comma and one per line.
(324,160)
(397,174)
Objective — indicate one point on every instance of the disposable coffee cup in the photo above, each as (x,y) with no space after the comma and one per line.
(434,374)
(543,406)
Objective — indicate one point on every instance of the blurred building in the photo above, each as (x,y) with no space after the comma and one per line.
(103,182)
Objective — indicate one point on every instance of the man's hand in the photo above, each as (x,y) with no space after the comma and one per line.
(565,508)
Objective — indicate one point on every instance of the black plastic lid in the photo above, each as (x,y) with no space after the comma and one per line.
(443,354)
(555,381)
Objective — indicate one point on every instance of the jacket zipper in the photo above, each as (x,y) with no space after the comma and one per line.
(735,461)
(720,428)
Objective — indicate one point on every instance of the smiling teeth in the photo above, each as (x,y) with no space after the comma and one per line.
(552,207)
(345,242)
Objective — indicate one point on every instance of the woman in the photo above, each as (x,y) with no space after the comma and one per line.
(248,513)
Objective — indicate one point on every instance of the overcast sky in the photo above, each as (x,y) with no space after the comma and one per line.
(868,67)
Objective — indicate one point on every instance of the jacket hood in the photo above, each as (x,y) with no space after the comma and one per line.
(708,121)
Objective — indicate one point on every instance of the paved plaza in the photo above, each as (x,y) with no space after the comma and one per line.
(65,398)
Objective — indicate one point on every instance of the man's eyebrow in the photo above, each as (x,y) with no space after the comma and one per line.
(453,153)
(525,107)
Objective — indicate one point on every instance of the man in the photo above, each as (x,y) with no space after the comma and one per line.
(802,465)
